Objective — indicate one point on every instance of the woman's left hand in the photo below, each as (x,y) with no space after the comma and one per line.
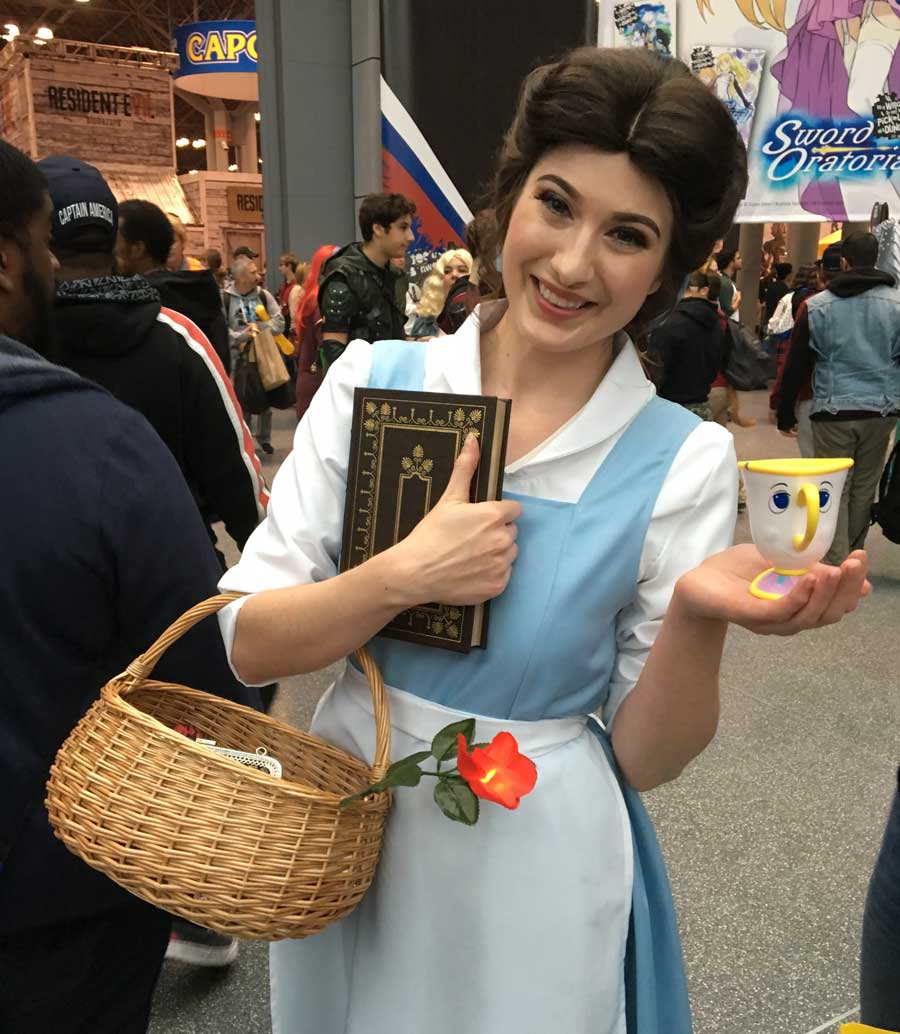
(719,589)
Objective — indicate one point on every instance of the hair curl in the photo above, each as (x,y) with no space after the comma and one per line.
(650,108)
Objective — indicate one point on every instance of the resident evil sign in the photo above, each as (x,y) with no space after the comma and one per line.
(245,204)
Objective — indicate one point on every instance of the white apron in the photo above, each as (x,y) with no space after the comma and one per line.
(457,905)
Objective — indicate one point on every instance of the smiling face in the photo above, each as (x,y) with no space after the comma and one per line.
(586,244)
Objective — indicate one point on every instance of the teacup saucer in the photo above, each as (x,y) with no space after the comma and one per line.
(772,584)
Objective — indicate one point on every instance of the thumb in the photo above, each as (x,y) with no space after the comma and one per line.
(461,478)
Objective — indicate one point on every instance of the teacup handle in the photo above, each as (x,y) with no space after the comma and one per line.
(808,496)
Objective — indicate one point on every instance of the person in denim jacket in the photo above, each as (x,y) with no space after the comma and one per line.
(848,339)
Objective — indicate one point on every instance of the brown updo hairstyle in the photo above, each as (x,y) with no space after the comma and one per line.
(629,101)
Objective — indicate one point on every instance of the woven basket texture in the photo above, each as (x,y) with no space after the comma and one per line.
(203,836)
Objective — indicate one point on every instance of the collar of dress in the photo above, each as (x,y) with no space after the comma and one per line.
(620,396)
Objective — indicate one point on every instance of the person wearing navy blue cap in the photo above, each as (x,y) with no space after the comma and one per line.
(85,210)
(104,548)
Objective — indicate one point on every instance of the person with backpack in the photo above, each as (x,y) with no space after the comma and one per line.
(689,348)
(848,340)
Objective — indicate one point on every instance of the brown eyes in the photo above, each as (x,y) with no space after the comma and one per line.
(553,203)
(559,207)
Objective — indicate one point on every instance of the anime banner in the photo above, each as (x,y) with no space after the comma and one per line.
(812,86)
(645,25)
(409,167)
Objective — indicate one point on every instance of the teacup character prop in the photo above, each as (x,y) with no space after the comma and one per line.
(793,506)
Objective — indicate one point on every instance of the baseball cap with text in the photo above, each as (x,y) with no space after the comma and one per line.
(85,211)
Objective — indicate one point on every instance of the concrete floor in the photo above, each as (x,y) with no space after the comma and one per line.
(770,835)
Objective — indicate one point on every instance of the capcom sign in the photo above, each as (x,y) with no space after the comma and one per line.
(218,59)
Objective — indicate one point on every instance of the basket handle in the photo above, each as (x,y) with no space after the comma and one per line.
(141,668)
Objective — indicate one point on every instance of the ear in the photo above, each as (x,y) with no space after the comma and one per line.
(8,266)
(378,230)
(845,265)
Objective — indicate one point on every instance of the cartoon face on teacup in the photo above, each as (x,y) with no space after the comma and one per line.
(793,506)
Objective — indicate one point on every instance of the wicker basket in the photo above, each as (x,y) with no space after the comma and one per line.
(203,836)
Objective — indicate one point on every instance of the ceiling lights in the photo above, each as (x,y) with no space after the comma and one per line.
(44,34)
(183,141)
(198,143)
(12,30)
(256,115)
(232,168)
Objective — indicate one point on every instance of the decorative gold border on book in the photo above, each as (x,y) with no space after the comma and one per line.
(438,621)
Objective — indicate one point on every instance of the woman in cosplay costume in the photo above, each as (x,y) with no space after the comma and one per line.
(608,564)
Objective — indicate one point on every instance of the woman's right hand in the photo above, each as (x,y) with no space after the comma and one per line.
(460,552)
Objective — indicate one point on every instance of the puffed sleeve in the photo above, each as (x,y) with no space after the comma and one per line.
(300,540)
(694,517)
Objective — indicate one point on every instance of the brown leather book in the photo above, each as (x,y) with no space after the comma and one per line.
(402,450)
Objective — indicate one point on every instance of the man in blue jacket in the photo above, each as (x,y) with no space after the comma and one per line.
(848,340)
(103,547)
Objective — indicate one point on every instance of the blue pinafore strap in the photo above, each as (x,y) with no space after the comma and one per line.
(655,983)
(398,365)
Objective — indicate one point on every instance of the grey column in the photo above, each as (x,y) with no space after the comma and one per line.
(803,243)
(750,246)
(243,131)
(306,132)
(366,28)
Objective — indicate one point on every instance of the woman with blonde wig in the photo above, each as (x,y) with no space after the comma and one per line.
(456,267)
(429,307)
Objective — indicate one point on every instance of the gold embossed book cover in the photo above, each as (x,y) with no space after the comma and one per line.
(402,450)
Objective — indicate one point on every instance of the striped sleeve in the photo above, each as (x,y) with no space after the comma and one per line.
(197,341)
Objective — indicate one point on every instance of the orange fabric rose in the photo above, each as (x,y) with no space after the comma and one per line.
(497,772)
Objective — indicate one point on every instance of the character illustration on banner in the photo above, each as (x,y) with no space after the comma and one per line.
(839,59)
(647,25)
(733,74)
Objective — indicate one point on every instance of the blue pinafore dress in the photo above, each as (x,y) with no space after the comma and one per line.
(554,917)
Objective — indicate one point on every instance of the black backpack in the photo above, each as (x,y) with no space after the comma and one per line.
(747,366)
(886,509)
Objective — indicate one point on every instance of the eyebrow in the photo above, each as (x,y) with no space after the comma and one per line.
(625,217)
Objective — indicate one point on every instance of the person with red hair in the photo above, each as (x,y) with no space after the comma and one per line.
(309,332)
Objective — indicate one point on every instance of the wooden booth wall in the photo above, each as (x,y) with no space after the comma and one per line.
(103,112)
(228,207)
(16,125)
(117,115)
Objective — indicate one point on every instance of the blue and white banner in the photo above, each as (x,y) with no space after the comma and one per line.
(410,167)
